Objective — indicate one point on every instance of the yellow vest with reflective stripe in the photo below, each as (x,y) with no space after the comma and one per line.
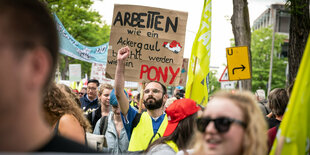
(143,133)
(173,145)
(132,103)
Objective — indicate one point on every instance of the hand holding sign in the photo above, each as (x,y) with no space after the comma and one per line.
(123,53)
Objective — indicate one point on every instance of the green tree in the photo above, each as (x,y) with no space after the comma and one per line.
(214,84)
(261,47)
(83,24)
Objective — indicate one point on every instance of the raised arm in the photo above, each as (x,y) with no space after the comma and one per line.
(119,80)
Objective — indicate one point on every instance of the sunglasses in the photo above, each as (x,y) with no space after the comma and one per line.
(222,124)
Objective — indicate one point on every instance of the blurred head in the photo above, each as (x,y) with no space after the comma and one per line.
(136,98)
(114,103)
(234,121)
(92,89)
(155,95)
(104,94)
(28,52)
(179,92)
(260,94)
(278,100)
(83,92)
(66,89)
(75,91)
(170,101)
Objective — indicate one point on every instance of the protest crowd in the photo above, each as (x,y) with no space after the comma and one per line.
(38,115)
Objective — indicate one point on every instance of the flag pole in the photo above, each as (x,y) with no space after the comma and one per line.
(141,96)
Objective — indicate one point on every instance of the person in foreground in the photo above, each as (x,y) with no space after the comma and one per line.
(28,57)
(181,115)
(232,124)
(64,115)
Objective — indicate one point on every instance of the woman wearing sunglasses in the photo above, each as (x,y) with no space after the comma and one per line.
(232,123)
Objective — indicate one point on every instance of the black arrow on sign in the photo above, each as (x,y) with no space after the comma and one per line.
(238,68)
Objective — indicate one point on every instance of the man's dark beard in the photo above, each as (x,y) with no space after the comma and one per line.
(151,105)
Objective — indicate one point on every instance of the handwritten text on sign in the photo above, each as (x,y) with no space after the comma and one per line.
(156,40)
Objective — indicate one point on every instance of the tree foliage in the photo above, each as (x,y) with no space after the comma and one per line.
(83,24)
(214,84)
(261,47)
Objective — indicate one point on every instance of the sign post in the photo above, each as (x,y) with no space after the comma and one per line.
(238,63)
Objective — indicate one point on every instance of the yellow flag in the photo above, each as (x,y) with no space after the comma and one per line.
(73,85)
(80,85)
(196,86)
(293,136)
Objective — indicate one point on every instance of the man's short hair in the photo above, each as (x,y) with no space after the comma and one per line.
(93,81)
(30,24)
(278,100)
(103,87)
(163,86)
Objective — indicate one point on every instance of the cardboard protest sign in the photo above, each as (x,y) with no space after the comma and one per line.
(74,72)
(98,72)
(156,38)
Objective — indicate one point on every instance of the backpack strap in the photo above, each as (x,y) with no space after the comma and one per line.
(56,128)
(103,125)
(264,107)
(136,120)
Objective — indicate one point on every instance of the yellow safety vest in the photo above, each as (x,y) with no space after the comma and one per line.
(132,103)
(173,145)
(143,133)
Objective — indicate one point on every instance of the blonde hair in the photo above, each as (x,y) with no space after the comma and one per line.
(104,86)
(58,103)
(255,138)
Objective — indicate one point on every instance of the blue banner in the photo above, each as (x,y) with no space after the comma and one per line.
(70,47)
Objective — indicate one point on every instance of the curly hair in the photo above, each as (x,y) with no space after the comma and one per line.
(255,138)
(68,90)
(57,103)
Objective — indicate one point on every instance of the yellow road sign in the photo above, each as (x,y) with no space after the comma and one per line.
(238,63)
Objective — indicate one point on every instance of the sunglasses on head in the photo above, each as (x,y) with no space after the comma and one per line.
(222,124)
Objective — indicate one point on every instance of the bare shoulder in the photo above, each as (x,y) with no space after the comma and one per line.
(70,127)
(68,117)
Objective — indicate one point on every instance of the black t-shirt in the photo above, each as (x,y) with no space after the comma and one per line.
(61,144)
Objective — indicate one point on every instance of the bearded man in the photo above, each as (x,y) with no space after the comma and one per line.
(142,129)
